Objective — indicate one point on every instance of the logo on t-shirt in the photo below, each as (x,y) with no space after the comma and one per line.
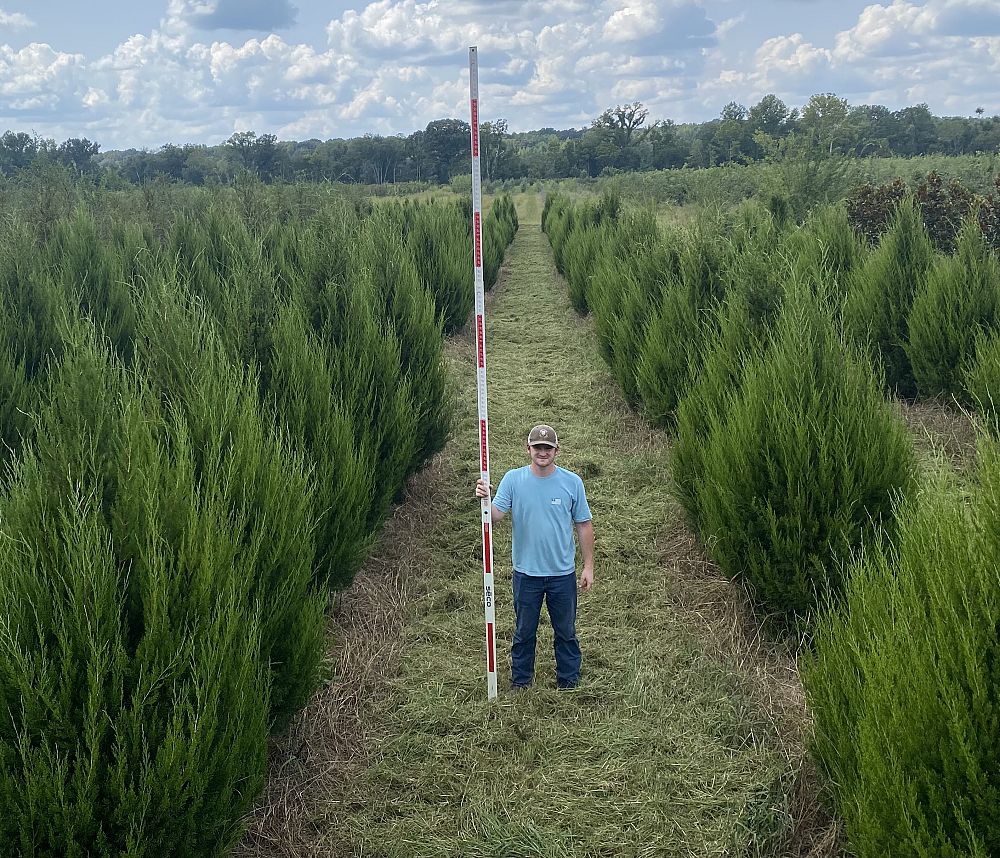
(556,501)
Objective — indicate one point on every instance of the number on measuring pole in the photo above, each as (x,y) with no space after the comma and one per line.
(484,447)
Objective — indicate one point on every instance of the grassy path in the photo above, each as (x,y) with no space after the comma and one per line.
(684,737)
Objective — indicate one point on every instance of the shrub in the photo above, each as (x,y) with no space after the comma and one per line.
(306,401)
(440,243)
(880,295)
(557,223)
(635,267)
(672,348)
(90,274)
(800,464)
(871,208)
(754,264)
(386,271)
(981,378)
(988,216)
(582,250)
(499,229)
(903,683)
(825,251)
(157,610)
(943,209)
(958,299)
(731,341)
(669,355)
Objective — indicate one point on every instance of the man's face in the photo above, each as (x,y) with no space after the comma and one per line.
(542,454)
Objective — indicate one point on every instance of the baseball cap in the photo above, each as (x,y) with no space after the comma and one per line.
(542,434)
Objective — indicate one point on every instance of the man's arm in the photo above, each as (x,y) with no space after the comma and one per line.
(585,533)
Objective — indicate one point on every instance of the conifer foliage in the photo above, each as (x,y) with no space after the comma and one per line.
(904,682)
(958,301)
(203,433)
(769,350)
(799,466)
(881,292)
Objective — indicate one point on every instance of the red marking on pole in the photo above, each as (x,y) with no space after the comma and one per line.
(479,340)
(475,128)
(477,226)
(487,552)
(490,655)
(482,444)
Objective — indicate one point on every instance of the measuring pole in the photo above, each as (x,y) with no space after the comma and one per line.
(484,446)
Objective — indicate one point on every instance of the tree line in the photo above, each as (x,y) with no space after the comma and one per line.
(621,139)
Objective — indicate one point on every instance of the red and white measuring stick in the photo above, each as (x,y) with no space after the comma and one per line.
(484,447)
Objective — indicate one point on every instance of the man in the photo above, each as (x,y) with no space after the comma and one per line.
(548,503)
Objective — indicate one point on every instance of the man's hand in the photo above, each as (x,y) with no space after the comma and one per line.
(586,578)
(481,491)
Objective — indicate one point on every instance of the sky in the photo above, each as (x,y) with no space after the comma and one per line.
(145,73)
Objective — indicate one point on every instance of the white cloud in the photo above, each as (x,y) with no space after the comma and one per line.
(724,27)
(15,21)
(884,31)
(632,22)
(95,97)
(37,71)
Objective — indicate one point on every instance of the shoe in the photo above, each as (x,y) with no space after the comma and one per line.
(514,687)
(567,686)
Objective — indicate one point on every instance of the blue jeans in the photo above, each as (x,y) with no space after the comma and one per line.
(559,593)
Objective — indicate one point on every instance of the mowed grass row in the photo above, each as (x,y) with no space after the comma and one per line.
(685,737)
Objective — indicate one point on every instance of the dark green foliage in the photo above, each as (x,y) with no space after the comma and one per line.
(632,272)
(558,220)
(386,271)
(582,252)
(904,684)
(141,687)
(440,243)
(731,342)
(871,208)
(669,355)
(753,265)
(309,403)
(988,216)
(800,463)
(31,305)
(499,229)
(205,432)
(89,272)
(671,351)
(958,300)
(943,209)
(824,252)
(881,293)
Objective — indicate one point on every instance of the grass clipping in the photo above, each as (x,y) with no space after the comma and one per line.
(685,735)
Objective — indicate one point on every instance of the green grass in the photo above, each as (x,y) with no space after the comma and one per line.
(672,745)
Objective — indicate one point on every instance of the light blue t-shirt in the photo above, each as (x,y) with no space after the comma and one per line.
(544,510)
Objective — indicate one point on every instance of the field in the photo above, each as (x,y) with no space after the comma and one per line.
(243,593)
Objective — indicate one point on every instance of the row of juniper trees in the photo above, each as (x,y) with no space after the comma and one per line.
(777,354)
(205,421)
